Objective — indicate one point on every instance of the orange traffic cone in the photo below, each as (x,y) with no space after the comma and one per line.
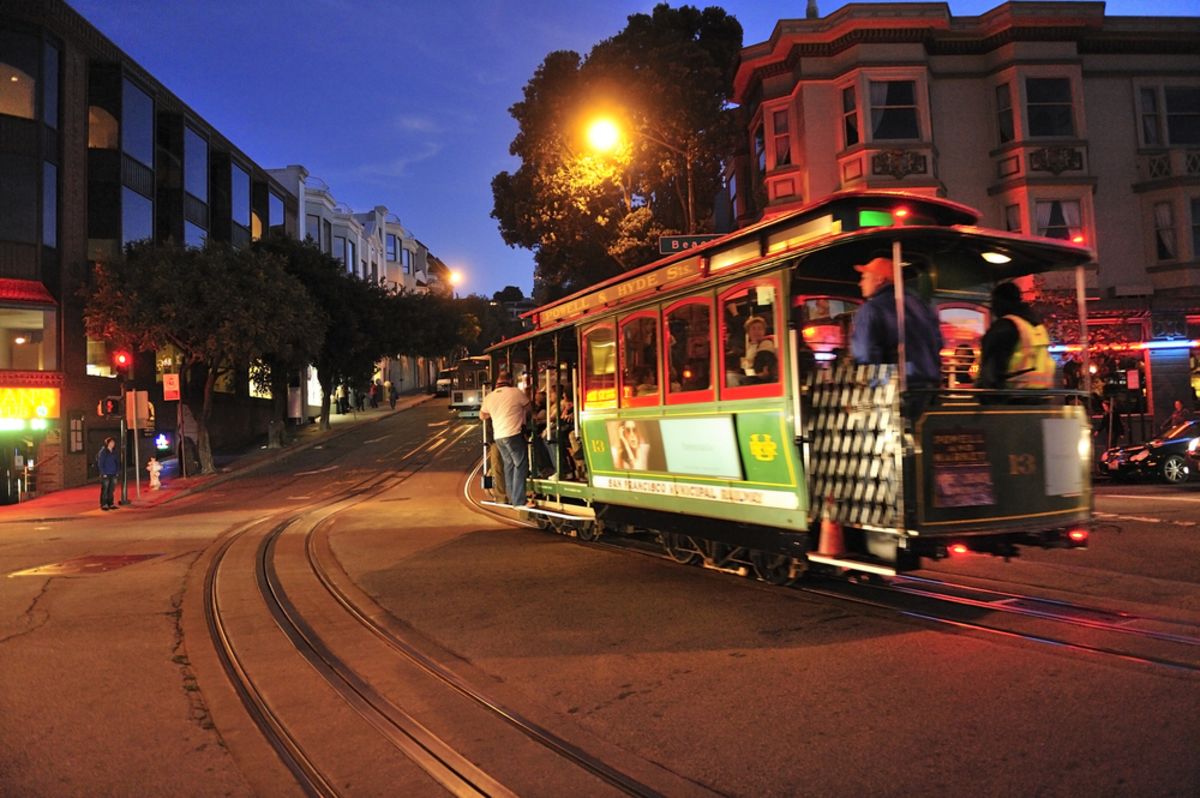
(830,542)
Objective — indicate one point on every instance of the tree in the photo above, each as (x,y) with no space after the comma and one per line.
(511,293)
(667,76)
(221,307)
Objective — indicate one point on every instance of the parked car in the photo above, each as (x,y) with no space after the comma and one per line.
(1172,456)
(444,378)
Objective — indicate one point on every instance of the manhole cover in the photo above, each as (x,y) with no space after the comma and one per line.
(94,564)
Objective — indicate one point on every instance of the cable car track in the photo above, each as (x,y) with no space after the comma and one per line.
(1158,642)
(281,544)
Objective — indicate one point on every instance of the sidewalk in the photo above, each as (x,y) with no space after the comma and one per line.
(74,502)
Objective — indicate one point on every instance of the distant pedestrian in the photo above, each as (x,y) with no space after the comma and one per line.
(1177,417)
(373,394)
(360,399)
(390,392)
(108,463)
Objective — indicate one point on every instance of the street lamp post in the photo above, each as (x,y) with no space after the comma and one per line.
(604,135)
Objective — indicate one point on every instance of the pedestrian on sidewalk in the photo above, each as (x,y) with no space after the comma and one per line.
(108,462)
(390,391)
(373,394)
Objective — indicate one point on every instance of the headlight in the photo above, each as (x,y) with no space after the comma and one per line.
(1194,446)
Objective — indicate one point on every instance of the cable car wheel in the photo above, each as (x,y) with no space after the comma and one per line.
(772,568)
(587,531)
(683,549)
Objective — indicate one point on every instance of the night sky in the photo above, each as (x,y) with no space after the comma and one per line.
(398,103)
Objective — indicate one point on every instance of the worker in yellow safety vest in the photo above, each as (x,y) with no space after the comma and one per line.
(1015,352)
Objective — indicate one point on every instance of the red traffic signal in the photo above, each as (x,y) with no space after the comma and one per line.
(122,361)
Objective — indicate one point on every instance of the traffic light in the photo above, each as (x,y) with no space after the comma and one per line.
(122,362)
(109,407)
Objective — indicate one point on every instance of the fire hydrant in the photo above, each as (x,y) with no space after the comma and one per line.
(155,468)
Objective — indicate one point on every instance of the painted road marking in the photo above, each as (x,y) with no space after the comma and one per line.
(1143,519)
(1189,500)
(377,440)
(317,471)
(439,423)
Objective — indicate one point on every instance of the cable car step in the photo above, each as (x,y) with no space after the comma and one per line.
(854,565)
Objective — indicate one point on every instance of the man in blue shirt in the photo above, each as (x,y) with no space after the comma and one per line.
(874,337)
(108,462)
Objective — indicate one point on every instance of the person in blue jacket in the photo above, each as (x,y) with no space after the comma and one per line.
(875,335)
(108,462)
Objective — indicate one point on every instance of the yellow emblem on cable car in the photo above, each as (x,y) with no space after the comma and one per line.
(763,448)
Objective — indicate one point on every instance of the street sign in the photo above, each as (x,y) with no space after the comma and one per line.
(139,413)
(171,387)
(668,245)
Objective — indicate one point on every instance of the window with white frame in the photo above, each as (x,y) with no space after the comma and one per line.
(894,110)
(849,117)
(1170,115)
(783,147)
(760,150)
(1151,134)
(1182,104)
(1048,106)
(1164,232)
(1059,219)
(1004,113)
(1012,218)
(393,247)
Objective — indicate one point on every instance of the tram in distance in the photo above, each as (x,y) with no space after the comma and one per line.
(468,381)
(707,398)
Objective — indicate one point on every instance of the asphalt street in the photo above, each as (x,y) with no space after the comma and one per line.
(699,680)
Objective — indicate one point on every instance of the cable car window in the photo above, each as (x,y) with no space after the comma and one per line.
(689,350)
(600,367)
(824,323)
(639,360)
(750,348)
(962,332)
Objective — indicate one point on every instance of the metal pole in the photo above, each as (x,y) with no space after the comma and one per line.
(137,456)
(124,450)
(898,292)
(1081,309)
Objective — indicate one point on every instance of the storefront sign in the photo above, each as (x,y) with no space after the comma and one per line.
(29,403)
(643,283)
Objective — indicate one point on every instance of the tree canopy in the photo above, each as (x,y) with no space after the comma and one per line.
(588,216)
(221,307)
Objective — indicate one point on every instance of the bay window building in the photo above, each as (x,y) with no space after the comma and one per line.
(1053,119)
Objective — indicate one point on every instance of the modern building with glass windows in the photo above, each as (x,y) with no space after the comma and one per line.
(1050,117)
(94,154)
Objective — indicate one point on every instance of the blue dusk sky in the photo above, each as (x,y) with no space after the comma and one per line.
(401,103)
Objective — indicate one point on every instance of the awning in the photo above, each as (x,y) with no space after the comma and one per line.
(31,291)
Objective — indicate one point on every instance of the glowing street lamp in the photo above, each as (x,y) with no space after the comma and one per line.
(603,135)
(456,278)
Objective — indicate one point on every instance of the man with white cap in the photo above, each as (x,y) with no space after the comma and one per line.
(875,334)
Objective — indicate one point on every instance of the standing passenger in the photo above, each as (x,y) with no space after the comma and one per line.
(875,336)
(508,408)
(1015,352)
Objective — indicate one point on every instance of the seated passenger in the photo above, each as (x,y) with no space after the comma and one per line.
(733,369)
(766,369)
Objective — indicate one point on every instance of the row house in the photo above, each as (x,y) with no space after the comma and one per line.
(96,153)
(372,245)
(1051,118)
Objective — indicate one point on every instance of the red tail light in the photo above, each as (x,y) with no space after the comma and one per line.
(1078,535)
(958,548)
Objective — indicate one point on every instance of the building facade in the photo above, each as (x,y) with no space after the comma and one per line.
(1050,117)
(96,153)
